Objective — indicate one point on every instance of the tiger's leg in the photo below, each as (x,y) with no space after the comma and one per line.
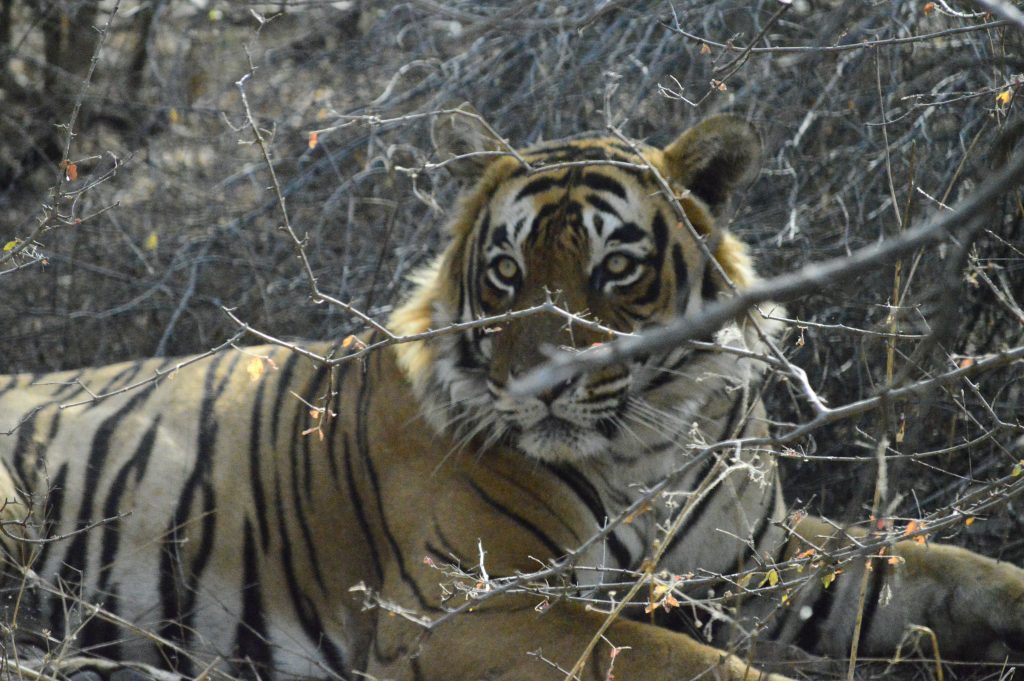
(518,644)
(974,604)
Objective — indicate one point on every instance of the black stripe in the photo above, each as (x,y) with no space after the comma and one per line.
(251,635)
(77,555)
(649,296)
(536,227)
(537,499)
(99,630)
(255,460)
(602,205)
(628,233)
(603,183)
(472,275)
(736,412)
(12,382)
(178,599)
(813,627)
(871,601)
(44,449)
(333,437)
(668,374)
(53,512)
(447,551)
(708,290)
(682,279)
(70,388)
(555,550)
(364,407)
(542,184)
(761,528)
(120,379)
(700,509)
(360,510)
(300,423)
(25,440)
(305,607)
(485,226)
(586,493)
(283,390)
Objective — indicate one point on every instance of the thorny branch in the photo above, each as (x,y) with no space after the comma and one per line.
(52,215)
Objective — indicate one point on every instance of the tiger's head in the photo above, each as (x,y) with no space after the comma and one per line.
(589,227)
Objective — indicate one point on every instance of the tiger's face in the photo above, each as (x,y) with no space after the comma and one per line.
(601,241)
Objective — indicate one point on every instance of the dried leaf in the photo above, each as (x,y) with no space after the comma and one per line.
(928,8)
(705,48)
(70,171)
(644,508)
(826,580)
(314,429)
(254,368)
(771,578)
(966,362)
(969,520)
(897,560)
(313,138)
(1004,97)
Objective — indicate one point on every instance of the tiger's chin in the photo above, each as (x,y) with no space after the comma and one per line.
(554,440)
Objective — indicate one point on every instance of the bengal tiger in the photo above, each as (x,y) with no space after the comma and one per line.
(323,520)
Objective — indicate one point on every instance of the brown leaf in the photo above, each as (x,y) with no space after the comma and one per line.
(254,368)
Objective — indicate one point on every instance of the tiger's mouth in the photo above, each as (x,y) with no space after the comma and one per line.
(555,439)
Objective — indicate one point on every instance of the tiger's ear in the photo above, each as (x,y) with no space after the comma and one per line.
(461,135)
(714,158)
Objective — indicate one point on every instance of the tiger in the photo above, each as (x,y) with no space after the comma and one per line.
(405,512)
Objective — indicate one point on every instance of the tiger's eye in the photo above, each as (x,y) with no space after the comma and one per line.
(617,264)
(507,268)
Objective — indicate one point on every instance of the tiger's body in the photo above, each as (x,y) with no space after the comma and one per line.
(260,528)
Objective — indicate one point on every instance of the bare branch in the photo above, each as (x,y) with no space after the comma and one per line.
(815,276)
